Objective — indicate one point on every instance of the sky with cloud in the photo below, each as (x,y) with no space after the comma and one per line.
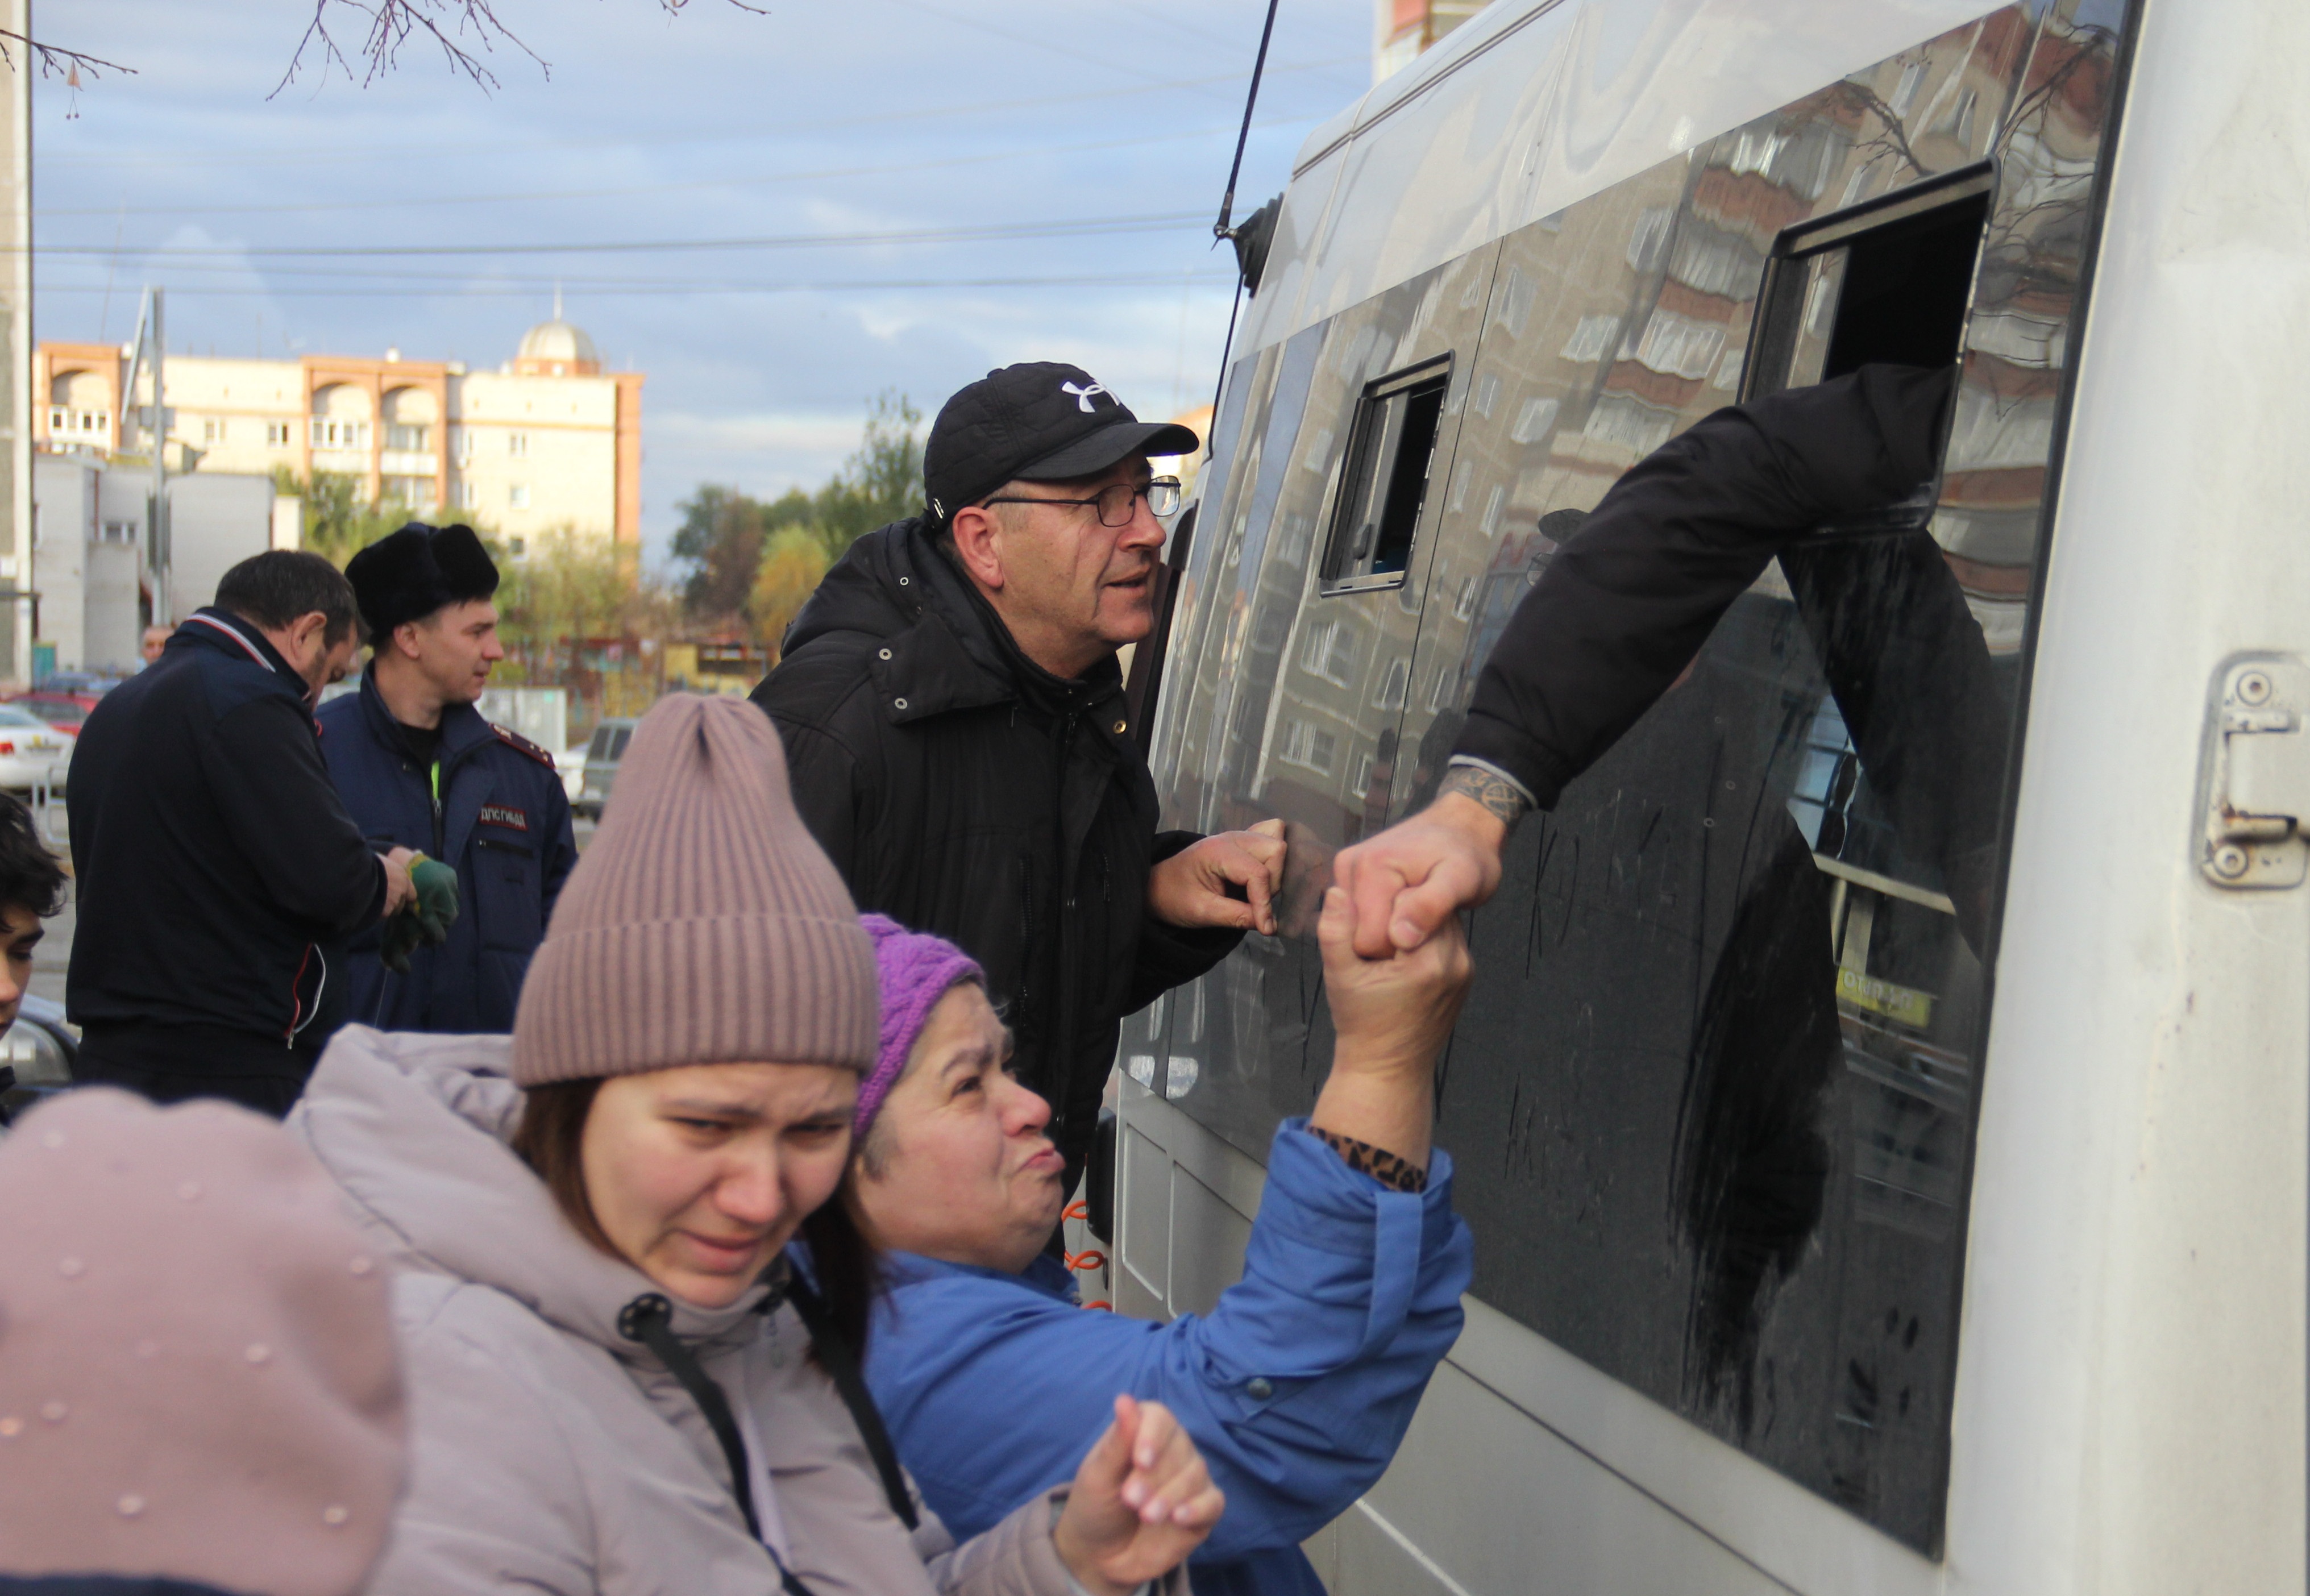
(776,215)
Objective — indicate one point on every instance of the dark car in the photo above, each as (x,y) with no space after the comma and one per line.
(602,756)
(38,1056)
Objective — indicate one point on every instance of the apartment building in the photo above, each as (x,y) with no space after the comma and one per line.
(547,442)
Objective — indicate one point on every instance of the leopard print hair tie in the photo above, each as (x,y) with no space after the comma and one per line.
(1397,1174)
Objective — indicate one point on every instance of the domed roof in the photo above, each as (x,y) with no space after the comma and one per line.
(558,340)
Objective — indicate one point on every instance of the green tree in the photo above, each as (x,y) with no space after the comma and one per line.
(880,483)
(566,589)
(339,522)
(793,562)
(723,534)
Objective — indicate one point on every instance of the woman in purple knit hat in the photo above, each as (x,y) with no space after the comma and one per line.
(1297,1388)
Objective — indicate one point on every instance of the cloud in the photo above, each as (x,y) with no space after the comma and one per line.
(716,124)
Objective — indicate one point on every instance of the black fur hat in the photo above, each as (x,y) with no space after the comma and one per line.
(413,572)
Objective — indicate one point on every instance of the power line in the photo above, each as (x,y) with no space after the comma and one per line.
(735,182)
(997,232)
(274,154)
(1167,280)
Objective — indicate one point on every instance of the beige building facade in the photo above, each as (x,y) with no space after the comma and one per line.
(549,442)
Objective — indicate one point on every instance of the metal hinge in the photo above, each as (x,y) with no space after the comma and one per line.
(2258,790)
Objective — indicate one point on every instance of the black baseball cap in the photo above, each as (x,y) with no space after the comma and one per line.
(1043,422)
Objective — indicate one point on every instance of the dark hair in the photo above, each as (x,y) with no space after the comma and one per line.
(29,876)
(276,587)
(550,1140)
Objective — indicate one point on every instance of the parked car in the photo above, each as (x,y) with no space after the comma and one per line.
(38,1056)
(64,708)
(33,753)
(602,756)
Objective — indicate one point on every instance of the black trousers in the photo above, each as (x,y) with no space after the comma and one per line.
(174,1063)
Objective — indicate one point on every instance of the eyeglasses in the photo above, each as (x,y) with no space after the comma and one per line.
(1115,502)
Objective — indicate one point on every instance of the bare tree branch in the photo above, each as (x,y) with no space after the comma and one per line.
(458,28)
(55,61)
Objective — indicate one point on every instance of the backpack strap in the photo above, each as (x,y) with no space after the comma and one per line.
(649,1320)
(840,1362)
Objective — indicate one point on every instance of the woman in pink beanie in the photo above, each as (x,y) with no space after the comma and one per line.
(619,1385)
(198,1385)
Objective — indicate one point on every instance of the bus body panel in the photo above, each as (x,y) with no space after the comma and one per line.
(2122,1393)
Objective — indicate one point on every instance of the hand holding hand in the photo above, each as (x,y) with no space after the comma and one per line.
(1413,876)
(1391,1015)
(1141,1500)
(1189,889)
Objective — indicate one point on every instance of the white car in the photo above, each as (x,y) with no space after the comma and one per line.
(32,752)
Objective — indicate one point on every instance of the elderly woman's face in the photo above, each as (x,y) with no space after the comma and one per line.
(958,1166)
(699,1174)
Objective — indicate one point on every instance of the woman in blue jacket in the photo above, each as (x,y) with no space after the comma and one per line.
(1299,1385)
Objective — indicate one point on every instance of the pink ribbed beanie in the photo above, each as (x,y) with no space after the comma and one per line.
(198,1378)
(702,925)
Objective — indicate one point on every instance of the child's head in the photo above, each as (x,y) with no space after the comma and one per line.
(31,888)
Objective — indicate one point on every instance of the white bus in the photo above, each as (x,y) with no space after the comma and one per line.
(1829,1240)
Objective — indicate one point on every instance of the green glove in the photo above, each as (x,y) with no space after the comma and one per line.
(401,937)
(437,898)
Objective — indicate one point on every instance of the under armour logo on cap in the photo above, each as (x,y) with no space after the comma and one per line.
(1082,395)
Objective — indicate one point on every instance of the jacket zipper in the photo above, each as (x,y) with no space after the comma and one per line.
(1061,880)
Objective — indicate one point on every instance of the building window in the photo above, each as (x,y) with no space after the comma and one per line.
(340,435)
(517,547)
(1592,337)
(1392,685)
(517,444)
(469,496)
(116,531)
(1309,746)
(407,438)
(1329,651)
(1465,606)
(461,444)
(276,435)
(1534,422)
(1365,766)
(213,429)
(410,490)
(84,423)
(517,496)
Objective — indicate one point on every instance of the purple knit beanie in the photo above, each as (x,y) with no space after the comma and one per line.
(915,970)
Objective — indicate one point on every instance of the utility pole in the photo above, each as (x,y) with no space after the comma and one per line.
(151,353)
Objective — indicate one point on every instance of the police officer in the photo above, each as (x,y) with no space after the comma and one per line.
(419,768)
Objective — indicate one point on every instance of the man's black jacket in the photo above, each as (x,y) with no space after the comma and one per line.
(219,873)
(962,789)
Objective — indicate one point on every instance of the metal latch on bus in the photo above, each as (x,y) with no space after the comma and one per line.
(2258,799)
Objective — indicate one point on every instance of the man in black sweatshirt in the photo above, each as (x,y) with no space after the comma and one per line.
(1626,604)
(219,873)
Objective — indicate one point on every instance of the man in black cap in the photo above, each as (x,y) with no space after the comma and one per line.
(419,768)
(953,721)
(219,874)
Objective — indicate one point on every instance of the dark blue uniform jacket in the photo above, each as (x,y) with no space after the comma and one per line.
(502,823)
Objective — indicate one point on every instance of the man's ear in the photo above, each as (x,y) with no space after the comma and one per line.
(974,533)
(310,630)
(403,639)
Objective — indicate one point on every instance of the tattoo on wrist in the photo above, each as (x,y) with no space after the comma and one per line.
(1494,792)
(1396,1173)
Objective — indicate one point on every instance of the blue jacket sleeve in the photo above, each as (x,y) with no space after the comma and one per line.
(1297,1388)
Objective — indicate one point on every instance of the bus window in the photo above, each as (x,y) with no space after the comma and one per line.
(1386,481)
